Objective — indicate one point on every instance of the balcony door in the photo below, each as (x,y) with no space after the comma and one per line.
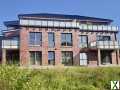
(67,58)
(83,59)
(106,57)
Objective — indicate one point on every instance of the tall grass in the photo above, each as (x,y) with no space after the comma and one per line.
(78,78)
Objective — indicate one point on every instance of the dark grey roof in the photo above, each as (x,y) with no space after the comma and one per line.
(64,16)
(11,23)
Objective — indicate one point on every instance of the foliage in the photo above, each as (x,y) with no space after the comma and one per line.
(75,78)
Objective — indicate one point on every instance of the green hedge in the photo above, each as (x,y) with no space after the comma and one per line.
(77,78)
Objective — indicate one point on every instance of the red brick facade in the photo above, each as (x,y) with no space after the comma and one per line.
(92,54)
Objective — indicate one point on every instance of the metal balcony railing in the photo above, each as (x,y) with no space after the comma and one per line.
(105,44)
(10,44)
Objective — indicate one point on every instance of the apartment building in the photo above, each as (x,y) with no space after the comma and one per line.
(57,39)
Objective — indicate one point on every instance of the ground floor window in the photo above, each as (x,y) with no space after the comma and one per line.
(67,58)
(83,59)
(35,58)
(51,58)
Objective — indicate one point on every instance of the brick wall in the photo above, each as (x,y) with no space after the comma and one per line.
(24,47)
(114,58)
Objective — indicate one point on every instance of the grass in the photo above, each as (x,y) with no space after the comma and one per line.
(77,78)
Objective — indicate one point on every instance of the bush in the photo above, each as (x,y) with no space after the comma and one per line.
(78,78)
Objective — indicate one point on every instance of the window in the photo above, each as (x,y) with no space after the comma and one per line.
(35,58)
(67,58)
(103,38)
(66,39)
(83,41)
(51,58)
(51,40)
(35,38)
(83,58)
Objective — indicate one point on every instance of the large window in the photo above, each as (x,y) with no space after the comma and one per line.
(103,38)
(51,58)
(83,59)
(35,58)
(66,39)
(35,38)
(51,40)
(83,41)
(67,58)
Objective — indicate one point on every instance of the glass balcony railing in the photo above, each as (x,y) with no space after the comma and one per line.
(13,44)
(105,44)
(99,28)
(68,24)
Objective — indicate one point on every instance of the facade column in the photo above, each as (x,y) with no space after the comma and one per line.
(118,57)
(76,49)
(3,56)
(114,57)
(44,57)
(24,47)
(44,47)
(76,59)
(99,57)
(58,55)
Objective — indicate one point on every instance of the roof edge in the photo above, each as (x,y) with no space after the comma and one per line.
(11,23)
(63,16)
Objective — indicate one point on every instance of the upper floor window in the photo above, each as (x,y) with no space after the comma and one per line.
(66,39)
(35,38)
(51,40)
(83,41)
(103,38)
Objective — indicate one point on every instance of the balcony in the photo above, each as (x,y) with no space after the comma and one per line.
(10,44)
(68,24)
(105,44)
(98,28)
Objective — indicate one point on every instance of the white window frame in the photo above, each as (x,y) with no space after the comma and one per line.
(83,58)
